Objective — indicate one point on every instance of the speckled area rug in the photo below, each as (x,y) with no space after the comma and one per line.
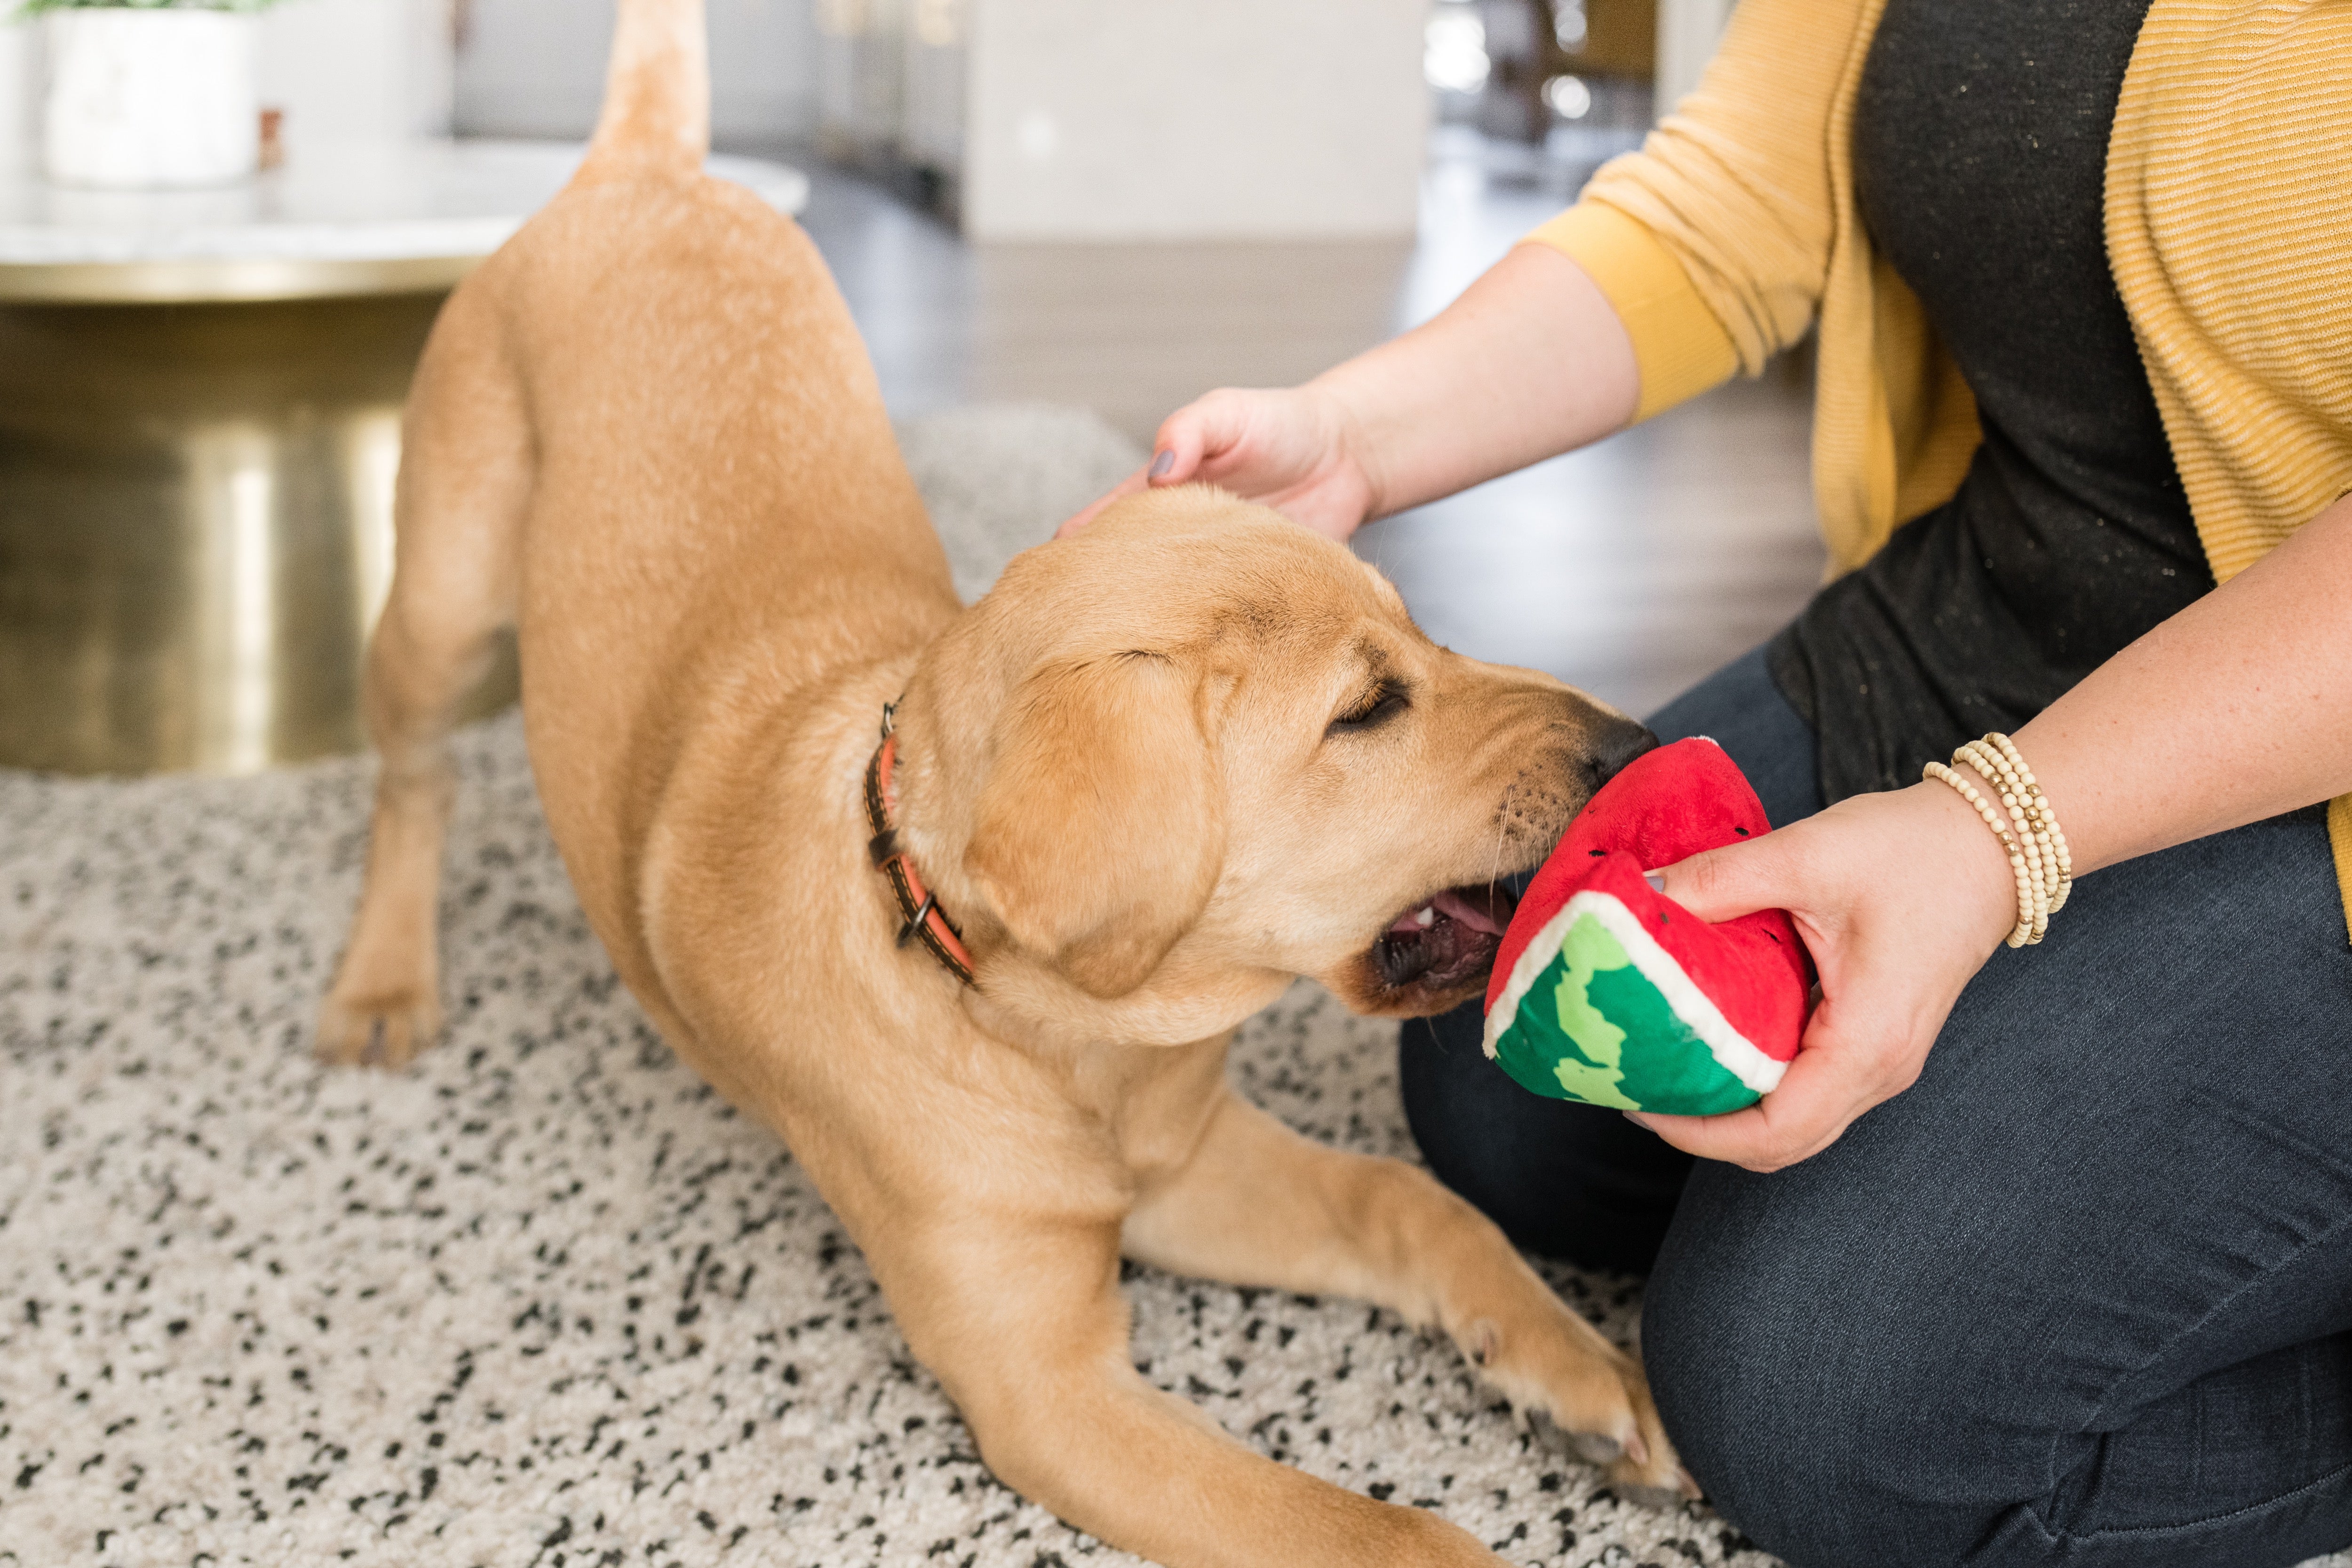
(544,1300)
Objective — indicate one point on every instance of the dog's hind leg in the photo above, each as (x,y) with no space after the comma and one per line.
(1258,1205)
(464,486)
(1028,1331)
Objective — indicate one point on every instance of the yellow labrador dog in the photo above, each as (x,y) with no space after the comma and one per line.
(981,976)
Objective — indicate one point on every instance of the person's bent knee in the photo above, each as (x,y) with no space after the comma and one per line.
(1808,1424)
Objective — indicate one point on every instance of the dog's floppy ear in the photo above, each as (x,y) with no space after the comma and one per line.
(1101,832)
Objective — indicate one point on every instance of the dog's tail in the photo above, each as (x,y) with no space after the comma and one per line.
(657,91)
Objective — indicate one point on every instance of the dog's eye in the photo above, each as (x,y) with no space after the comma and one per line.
(1379,706)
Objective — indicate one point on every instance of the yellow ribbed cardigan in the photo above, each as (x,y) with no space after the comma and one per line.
(2229,223)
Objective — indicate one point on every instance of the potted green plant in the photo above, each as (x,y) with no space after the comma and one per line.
(148,93)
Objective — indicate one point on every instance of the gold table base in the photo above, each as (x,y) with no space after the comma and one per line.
(196,528)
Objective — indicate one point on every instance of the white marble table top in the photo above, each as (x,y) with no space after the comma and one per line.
(359,210)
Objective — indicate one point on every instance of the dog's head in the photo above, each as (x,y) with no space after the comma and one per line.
(1194,750)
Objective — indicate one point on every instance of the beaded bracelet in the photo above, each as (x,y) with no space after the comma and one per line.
(2038,858)
(2041,871)
(2049,819)
(2001,765)
(2041,858)
(2022,795)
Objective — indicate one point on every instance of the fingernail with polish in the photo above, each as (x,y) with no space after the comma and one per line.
(1657,881)
(1162,464)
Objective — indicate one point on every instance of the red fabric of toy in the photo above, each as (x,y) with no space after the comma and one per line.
(1649,1006)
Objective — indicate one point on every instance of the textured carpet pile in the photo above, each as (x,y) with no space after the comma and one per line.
(544,1299)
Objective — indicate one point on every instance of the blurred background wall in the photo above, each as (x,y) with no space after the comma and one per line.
(1031,120)
(346,71)
(1129,118)
(536,68)
(19,72)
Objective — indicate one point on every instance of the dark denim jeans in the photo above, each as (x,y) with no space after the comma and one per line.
(2082,1295)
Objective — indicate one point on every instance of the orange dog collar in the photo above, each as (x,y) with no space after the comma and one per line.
(920,907)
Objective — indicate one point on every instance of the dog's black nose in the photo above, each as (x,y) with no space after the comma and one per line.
(1624,740)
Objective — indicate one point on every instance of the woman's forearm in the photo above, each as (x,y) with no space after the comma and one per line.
(1530,362)
(2236,709)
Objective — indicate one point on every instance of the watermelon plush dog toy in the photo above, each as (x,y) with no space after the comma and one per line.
(1608,992)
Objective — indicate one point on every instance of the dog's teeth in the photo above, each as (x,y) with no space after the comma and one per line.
(1425,916)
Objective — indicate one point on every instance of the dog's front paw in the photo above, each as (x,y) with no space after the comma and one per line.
(1585,1396)
(1636,1478)
(389,1026)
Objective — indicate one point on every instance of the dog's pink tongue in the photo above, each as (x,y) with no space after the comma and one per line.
(1477,917)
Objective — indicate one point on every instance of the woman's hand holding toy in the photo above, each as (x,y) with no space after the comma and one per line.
(1900,902)
(2230,712)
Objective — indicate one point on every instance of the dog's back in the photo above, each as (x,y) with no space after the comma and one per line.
(715,511)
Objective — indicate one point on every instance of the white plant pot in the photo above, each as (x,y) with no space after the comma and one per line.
(141,99)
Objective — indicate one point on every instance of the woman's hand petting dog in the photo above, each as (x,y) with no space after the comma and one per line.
(1530,362)
(1296,450)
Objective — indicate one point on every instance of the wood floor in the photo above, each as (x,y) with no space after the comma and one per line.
(1632,568)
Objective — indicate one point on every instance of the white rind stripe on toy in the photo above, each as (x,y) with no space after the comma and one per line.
(1733,1051)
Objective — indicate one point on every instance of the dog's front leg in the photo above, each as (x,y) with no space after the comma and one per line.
(1258,1205)
(1028,1331)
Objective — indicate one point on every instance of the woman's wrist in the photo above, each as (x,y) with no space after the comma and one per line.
(1347,433)
(1982,887)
